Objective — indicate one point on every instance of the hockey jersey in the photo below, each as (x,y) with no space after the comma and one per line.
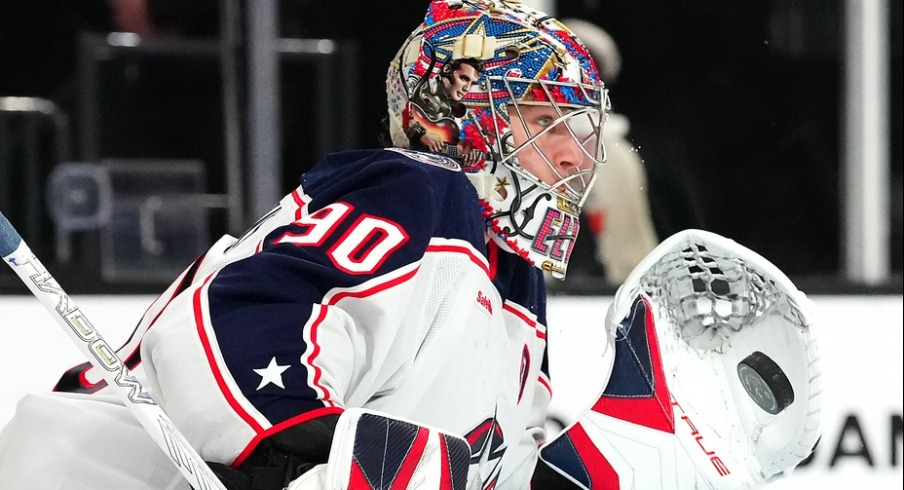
(370,285)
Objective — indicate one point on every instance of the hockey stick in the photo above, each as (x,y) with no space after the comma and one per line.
(19,256)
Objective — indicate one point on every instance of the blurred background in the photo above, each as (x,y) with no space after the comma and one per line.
(133,133)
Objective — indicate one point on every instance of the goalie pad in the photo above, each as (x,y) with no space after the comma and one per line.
(716,380)
(372,450)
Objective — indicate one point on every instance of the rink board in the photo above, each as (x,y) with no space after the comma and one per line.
(861,343)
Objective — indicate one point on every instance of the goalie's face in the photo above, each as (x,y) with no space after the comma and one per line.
(547,149)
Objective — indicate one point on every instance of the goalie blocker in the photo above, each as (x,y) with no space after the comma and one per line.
(715,382)
(372,450)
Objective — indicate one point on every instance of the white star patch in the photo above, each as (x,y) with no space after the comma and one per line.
(271,374)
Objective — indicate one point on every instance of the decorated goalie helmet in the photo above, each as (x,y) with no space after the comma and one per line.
(518,58)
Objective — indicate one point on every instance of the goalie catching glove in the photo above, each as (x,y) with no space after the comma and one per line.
(715,381)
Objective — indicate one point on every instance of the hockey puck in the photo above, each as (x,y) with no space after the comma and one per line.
(765,382)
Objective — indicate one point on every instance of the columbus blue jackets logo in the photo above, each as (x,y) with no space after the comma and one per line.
(487,447)
(429,158)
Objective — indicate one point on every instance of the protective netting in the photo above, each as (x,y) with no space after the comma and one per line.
(711,295)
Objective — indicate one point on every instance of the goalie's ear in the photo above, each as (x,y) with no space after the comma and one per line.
(716,375)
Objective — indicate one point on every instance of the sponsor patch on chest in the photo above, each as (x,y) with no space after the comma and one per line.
(485,302)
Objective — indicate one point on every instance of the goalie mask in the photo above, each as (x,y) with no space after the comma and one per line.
(516,97)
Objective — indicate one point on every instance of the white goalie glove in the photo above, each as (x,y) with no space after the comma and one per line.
(715,380)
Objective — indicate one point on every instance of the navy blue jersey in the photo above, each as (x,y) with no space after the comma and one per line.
(371,285)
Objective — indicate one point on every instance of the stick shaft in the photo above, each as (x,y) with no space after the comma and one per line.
(66,313)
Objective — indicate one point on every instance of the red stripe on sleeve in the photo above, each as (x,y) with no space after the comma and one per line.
(211,360)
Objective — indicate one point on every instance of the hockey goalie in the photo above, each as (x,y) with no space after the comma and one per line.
(384,326)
